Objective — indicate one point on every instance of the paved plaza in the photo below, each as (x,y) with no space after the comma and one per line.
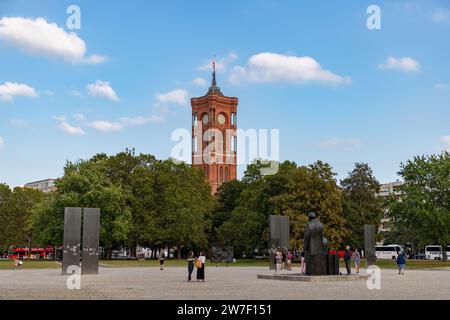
(221,283)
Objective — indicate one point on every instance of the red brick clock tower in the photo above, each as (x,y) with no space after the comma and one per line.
(214,141)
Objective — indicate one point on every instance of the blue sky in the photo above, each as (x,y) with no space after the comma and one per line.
(337,91)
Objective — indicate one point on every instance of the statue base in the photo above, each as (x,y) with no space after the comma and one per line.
(306,278)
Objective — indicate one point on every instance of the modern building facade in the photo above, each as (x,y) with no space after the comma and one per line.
(47,185)
(388,190)
(214,140)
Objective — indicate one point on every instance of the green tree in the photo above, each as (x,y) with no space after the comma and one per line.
(84,184)
(312,188)
(424,209)
(15,209)
(227,200)
(293,191)
(184,200)
(143,201)
(360,202)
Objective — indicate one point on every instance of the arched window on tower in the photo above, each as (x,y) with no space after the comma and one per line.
(194,144)
(195,119)
(221,174)
(233,143)
(226,173)
(233,118)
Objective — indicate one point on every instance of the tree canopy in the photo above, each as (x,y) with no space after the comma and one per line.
(424,210)
(142,201)
(153,203)
(15,210)
(360,202)
(244,207)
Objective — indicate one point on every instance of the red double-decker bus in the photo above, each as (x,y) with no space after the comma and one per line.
(32,254)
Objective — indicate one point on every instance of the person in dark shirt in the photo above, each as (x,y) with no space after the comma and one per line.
(302,259)
(347,258)
(401,262)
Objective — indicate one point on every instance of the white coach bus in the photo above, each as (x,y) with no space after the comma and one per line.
(434,252)
(388,252)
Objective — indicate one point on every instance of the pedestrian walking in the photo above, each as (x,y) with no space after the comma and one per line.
(290,257)
(356,259)
(302,261)
(278,260)
(200,264)
(18,262)
(191,261)
(161,258)
(401,262)
(347,258)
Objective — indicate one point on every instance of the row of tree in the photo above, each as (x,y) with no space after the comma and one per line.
(422,216)
(149,202)
(143,201)
(241,217)
(15,211)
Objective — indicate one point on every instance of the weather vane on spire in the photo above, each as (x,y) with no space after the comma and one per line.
(214,89)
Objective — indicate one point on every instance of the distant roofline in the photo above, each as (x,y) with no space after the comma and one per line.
(44,180)
(393,182)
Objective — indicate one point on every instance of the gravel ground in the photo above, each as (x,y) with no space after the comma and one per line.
(221,283)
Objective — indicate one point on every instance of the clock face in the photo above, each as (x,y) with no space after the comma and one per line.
(221,119)
(205,119)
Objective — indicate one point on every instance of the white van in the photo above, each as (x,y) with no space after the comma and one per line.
(388,252)
(434,252)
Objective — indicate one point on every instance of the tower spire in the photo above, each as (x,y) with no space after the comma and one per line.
(213,82)
(214,88)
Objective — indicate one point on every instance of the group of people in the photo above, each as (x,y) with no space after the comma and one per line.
(286,257)
(199,263)
(355,256)
(193,261)
(282,256)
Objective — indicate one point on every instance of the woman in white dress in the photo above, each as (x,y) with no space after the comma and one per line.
(201,270)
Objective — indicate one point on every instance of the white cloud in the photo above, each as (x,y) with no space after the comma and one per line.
(140,120)
(48,92)
(72,130)
(222,64)
(440,15)
(9,90)
(102,89)
(17,122)
(2,143)
(273,67)
(59,118)
(178,96)
(200,82)
(94,59)
(79,117)
(442,87)
(39,37)
(338,143)
(405,64)
(232,56)
(446,141)
(67,127)
(106,126)
(76,93)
